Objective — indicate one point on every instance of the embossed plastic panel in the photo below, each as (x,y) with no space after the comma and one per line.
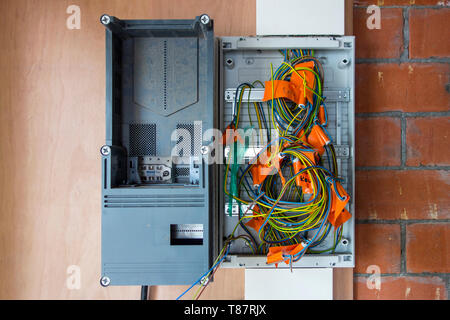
(246,59)
(162,80)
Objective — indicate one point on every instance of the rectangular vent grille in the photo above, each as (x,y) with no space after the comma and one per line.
(142,139)
(192,143)
(182,172)
(153,201)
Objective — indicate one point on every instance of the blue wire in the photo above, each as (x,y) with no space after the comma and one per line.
(326,131)
(337,191)
(199,279)
(328,157)
(297,255)
(315,244)
(326,114)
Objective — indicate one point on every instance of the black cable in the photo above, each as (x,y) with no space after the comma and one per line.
(144,293)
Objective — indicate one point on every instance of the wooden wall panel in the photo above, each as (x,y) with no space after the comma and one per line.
(52,115)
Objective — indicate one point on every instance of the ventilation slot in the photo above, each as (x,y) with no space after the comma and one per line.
(142,140)
(182,172)
(165,75)
(155,201)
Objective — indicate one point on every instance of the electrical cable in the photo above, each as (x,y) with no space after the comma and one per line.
(144,292)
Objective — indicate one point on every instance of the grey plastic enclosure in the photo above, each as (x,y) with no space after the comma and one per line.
(158,193)
(246,59)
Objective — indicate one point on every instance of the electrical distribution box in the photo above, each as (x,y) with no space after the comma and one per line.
(246,59)
(169,84)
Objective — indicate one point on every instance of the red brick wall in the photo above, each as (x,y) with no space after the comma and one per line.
(403,150)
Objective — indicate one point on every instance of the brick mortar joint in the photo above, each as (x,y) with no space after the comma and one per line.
(403,245)
(403,145)
(405,55)
(441,275)
(402,114)
(404,168)
(440,60)
(445,277)
(404,222)
(411,6)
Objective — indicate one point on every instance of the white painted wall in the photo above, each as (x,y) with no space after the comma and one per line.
(281,284)
(300,17)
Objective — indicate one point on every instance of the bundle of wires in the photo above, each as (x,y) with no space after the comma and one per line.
(263,124)
(289,118)
(287,212)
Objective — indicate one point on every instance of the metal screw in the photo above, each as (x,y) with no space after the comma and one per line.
(105,19)
(344,242)
(204,281)
(204,150)
(105,150)
(205,19)
(105,281)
